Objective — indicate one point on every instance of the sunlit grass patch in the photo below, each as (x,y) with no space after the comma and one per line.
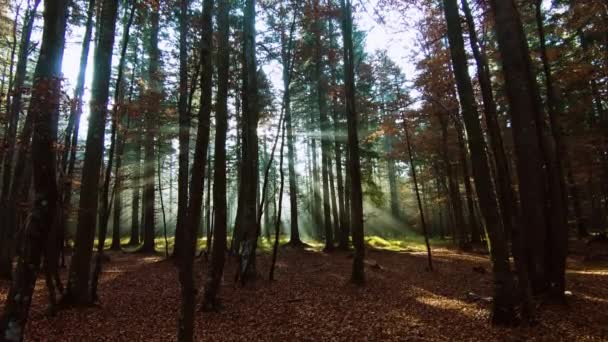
(411,243)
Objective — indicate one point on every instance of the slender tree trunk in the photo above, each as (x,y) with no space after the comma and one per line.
(78,283)
(294,238)
(418,199)
(558,232)
(354,163)
(277,227)
(46,96)
(136,186)
(152,110)
(188,248)
(162,203)
(473,223)
(7,204)
(503,175)
(17,92)
(218,256)
(72,131)
(502,311)
(453,187)
(250,223)
(116,144)
(184,106)
(321,88)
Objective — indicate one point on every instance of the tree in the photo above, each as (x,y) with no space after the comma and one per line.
(78,292)
(218,256)
(247,228)
(354,164)
(45,110)
(502,310)
(530,149)
(187,249)
(152,106)
(8,209)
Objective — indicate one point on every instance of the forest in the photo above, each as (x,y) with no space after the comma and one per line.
(303,170)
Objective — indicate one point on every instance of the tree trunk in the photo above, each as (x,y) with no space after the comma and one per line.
(462,149)
(502,311)
(218,256)
(7,204)
(117,142)
(136,186)
(558,232)
(503,175)
(73,128)
(78,283)
(184,126)
(354,163)
(324,125)
(418,199)
(17,92)
(152,110)
(250,223)
(46,97)
(453,187)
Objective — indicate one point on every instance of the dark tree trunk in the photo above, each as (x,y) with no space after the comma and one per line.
(558,232)
(466,175)
(502,311)
(78,283)
(277,227)
(453,187)
(7,202)
(418,199)
(46,97)
(503,175)
(392,177)
(152,110)
(187,249)
(354,163)
(17,92)
(294,238)
(218,256)
(117,120)
(136,185)
(184,126)
(115,136)
(324,125)
(249,189)
(68,161)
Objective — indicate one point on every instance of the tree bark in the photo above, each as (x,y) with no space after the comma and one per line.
(44,108)
(78,283)
(418,199)
(152,110)
(218,256)
(354,163)
(324,125)
(249,188)
(502,310)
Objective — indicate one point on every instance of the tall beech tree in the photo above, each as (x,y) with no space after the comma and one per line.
(247,223)
(354,163)
(502,310)
(532,155)
(151,116)
(187,249)
(78,290)
(218,254)
(46,96)
(8,205)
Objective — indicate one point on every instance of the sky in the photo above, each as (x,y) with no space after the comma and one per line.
(393,34)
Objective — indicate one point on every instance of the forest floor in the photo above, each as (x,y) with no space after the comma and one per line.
(312,299)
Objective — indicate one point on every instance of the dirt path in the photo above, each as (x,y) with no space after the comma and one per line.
(312,300)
